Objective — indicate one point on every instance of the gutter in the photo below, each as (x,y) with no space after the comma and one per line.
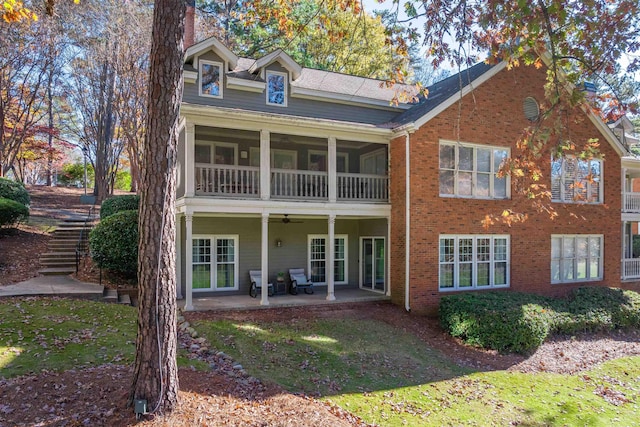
(407,224)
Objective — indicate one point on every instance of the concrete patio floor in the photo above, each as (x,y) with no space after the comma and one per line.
(245,302)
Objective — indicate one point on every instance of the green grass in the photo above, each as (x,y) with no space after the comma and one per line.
(39,334)
(391,378)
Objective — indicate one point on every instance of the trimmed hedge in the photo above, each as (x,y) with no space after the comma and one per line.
(12,212)
(114,243)
(520,323)
(116,204)
(15,191)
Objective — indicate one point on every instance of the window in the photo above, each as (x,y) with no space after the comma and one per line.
(471,171)
(211,79)
(574,180)
(219,153)
(318,161)
(576,258)
(473,262)
(276,88)
(318,254)
(214,263)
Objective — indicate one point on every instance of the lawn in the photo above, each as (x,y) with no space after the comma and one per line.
(41,334)
(391,378)
(367,367)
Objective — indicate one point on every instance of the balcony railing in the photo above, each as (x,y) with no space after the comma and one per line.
(225,180)
(295,184)
(361,187)
(631,268)
(631,202)
(244,181)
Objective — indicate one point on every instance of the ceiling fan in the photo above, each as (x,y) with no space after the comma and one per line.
(287,220)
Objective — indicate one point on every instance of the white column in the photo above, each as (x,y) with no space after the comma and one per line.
(190,160)
(178,257)
(332,168)
(188,277)
(264,263)
(265,165)
(332,256)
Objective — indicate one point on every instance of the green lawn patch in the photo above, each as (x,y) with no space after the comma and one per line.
(57,334)
(391,378)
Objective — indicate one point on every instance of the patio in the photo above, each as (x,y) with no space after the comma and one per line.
(245,302)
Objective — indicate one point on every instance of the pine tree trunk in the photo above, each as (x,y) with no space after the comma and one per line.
(155,371)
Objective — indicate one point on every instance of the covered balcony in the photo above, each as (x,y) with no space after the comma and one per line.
(270,166)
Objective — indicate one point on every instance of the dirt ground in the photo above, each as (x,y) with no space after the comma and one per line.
(227,396)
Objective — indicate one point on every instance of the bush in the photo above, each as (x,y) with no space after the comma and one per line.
(114,243)
(15,191)
(12,212)
(503,321)
(518,322)
(73,175)
(123,181)
(116,204)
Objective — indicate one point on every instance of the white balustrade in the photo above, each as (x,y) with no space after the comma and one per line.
(631,202)
(227,180)
(363,187)
(631,268)
(298,184)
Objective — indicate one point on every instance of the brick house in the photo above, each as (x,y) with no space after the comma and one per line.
(286,167)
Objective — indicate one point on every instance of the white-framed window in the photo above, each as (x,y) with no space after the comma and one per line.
(576,258)
(374,162)
(574,180)
(319,253)
(276,88)
(210,78)
(478,261)
(215,263)
(317,161)
(469,170)
(219,153)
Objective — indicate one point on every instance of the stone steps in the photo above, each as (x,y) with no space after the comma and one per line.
(60,257)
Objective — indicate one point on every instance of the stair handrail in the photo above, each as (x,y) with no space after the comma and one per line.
(82,239)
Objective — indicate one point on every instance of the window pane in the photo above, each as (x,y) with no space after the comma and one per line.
(594,247)
(275,89)
(466,158)
(338,271)
(581,272)
(594,268)
(210,79)
(482,185)
(556,243)
(446,276)
(498,157)
(447,156)
(581,247)
(500,273)
(500,249)
(465,250)
(225,276)
(483,274)
(201,276)
(568,247)
(567,270)
(466,274)
(446,182)
(499,187)
(203,153)
(484,160)
(446,250)
(555,271)
(483,249)
(465,183)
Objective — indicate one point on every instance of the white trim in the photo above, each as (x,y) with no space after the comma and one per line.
(190,76)
(213,261)
(278,55)
(285,88)
(562,186)
(221,74)
(588,258)
(326,251)
(246,85)
(456,262)
(407,222)
(217,46)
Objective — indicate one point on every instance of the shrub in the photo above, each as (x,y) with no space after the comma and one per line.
(119,203)
(12,212)
(14,190)
(518,322)
(123,181)
(503,321)
(73,175)
(114,243)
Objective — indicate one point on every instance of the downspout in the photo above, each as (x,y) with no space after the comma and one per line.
(407,225)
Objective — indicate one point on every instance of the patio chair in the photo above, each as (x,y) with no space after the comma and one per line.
(256,283)
(300,280)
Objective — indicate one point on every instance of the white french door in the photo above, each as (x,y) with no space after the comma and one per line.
(372,263)
(318,257)
(215,263)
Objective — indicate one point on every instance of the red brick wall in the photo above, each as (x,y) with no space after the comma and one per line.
(493,116)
